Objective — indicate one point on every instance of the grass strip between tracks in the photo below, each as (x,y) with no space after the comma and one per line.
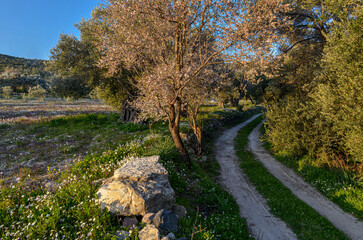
(303,220)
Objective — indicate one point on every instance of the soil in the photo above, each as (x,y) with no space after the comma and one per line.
(345,222)
(261,223)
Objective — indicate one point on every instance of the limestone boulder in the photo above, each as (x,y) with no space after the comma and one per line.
(139,187)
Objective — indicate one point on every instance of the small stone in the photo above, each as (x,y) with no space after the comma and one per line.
(49,184)
(148,218)
(130,222)
(179,211)
(95,182)
(183,136)
(166,219)
(121,235)
(204,159)
(183,238)
(171,236)
(149,232)
(191,151)
(52,186)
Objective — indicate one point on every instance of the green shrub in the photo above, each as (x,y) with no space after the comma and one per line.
(338,98)
(112,94)
(285,127)
(7,91)
(327,122)
(37,92)
(24,96)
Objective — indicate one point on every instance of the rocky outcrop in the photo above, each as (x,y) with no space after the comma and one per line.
(139,187)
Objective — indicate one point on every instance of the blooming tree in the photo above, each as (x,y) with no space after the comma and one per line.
(172,46)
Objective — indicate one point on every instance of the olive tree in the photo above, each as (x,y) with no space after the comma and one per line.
(74,64)
(170,45)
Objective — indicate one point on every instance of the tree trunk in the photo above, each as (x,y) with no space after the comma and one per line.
(128,112)
(174,130)
(193,122)
(221,104)
(234,102)
(251,99)
(150,128)
(174,120)
(198,134)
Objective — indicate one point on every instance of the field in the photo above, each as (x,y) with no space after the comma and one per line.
(54,155)
(36,135)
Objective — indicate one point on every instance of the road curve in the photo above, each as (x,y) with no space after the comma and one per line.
(261,223)
(345,222)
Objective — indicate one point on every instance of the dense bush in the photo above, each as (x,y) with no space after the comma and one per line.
(112,94)
(323,117)
(37,92)
(20,82)
(337,100)
(68,87)
(285,128)
(7,91)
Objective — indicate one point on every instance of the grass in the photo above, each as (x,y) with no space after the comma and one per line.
(69,210)
(64,138)
(212,211)
(303,220)
(332,183)
(216,210)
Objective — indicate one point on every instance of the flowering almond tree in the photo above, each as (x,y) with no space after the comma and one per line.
(171,45)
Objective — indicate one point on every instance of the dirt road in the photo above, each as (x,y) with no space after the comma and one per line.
(345,222)
(253,207)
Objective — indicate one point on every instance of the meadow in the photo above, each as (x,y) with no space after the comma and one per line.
(55,155)
(58,159)
(37,135)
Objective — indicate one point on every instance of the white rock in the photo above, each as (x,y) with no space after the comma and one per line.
(138,187)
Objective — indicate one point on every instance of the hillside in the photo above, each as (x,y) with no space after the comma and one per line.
(23,65)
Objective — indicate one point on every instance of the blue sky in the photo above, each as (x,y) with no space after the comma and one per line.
(30,28)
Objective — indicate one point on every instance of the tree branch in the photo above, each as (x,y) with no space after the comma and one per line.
(298,42)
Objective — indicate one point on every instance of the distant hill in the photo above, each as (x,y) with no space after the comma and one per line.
(23,65)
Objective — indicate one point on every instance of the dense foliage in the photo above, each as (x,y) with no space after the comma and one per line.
(315,103)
